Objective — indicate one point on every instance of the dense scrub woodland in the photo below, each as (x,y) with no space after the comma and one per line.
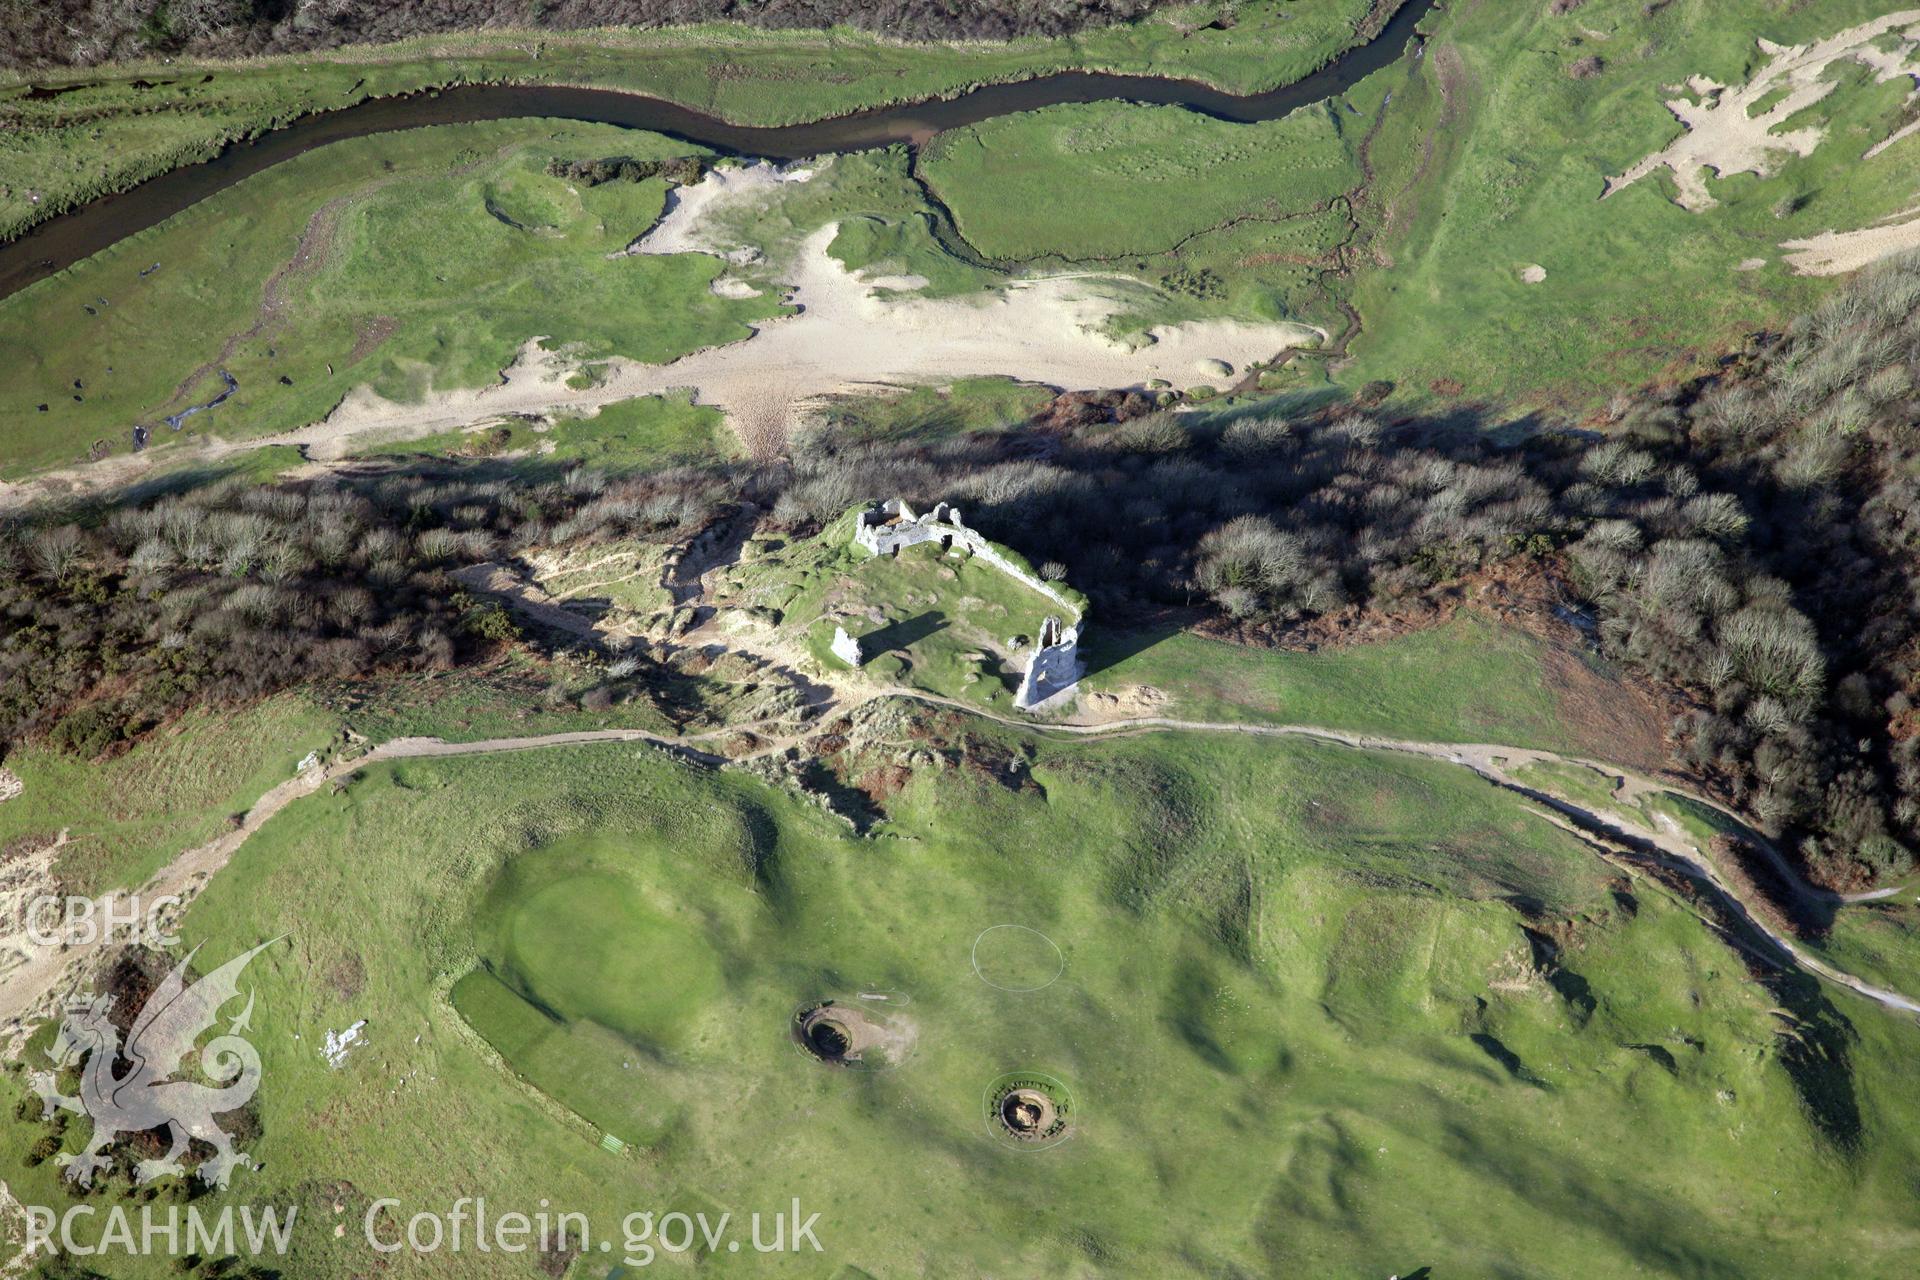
(1745,541)
(84,32)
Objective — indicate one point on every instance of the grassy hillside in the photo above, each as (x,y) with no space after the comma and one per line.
(1299,961)
(1467,680)
(126,816)
(647,434)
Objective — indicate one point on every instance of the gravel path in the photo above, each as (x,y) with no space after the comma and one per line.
(1618,832)
(48,971)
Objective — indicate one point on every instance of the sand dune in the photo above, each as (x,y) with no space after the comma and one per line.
(852,331)
(1723,135)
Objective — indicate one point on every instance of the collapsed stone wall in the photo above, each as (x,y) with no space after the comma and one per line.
(892,525)
(1054,668)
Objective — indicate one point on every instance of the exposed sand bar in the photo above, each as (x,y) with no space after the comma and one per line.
(852,332)
(848,335)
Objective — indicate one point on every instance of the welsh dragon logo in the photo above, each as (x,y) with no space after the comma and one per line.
(160,1043)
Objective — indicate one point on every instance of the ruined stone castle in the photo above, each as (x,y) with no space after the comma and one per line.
(1053,670)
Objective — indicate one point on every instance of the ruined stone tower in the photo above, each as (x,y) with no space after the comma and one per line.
(1054,668)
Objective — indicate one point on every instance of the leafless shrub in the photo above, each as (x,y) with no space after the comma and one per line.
(56,552)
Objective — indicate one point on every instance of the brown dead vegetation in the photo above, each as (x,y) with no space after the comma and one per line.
(372,332)
(1755,882)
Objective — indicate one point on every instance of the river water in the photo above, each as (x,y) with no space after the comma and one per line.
(70,237)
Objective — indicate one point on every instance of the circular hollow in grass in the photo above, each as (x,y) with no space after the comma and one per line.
(1030,1110)
(1012,957)
(844,1034)
(1027,1113)
(829,1040)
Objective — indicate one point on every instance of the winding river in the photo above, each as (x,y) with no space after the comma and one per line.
(68,238)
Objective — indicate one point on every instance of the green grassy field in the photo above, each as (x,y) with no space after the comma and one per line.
(1877,940)
(933,413)
(572,928)
(417,260)
(904,245)
(127,816)
(424,261)
(1596,790)
(1221,220)
(1880,941)
(647,434)
(1467,680)
(59,151)
(1420,198)
(1296,1014)
(1110,181)
(883,217)
(1588,788)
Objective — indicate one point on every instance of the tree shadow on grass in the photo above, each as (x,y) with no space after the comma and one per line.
(164,484)
(1105,647)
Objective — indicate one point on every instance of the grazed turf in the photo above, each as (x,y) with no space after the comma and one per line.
(1107,181)
(1468,680)
(1299,961)
(1495,160)
(646,434)
(127,816)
